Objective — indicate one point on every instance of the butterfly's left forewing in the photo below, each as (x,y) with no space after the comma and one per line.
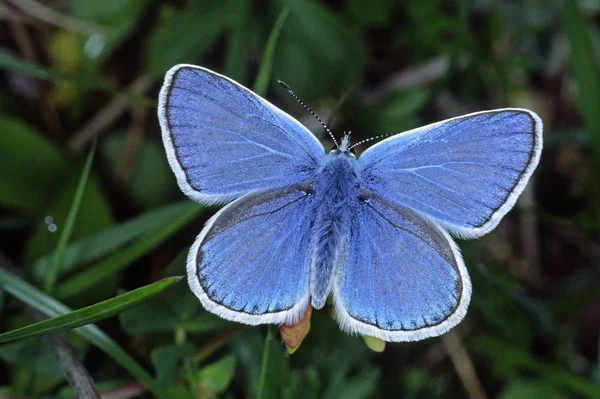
(402,278)
(223,141)
(250,263)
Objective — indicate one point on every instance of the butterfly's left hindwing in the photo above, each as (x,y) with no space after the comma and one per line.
(223,141)
(402,277)
(250,263)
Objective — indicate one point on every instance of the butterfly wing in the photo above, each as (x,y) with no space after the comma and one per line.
(223,141)
(465,172)
(402,277)
(250,263)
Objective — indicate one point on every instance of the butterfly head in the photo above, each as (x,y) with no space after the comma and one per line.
(344,148)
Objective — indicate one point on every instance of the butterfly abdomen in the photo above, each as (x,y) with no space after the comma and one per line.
(337,186)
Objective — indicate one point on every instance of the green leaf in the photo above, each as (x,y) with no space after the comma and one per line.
(84,81)
(118,16)
(35,356)
(166,359)
(317,52)
(263,78)
(177,307)
(584,63)
(303,384)
(507,357)
(52,308)
(107,241)
(525,390)
(121,259)
(149,181)
(66,231)
(397,112)
(90,314)
(274,371)
(32,168)
(216,377)
(185,35)
(367,16)
(238,45)
(94,215)
(357,387)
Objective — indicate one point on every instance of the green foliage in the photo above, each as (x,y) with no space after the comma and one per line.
(90,314)
(149,182)
(369,67)
(274,369)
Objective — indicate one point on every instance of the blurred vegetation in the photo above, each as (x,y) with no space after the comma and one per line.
(73,234)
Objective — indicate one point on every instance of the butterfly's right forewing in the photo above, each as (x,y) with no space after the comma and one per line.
(466,172)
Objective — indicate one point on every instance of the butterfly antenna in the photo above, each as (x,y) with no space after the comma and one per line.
(289,90)
(371,139)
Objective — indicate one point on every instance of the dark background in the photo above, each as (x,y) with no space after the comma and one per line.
(78,69)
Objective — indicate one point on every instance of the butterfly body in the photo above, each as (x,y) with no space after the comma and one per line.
(336,189)
(301,225)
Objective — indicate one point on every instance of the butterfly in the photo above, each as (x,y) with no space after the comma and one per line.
(302,225)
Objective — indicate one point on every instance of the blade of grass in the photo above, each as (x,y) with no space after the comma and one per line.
(461,33)
(108,241)
(585,71)
(90,314)
(274,369)
(266,64)
(39,300)
(65,235)
(114,263)
(38,71)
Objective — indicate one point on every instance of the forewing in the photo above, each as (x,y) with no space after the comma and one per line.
(402,278)
(250,263)
(466,172)
(223,141)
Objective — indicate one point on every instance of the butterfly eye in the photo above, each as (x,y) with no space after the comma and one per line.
(353,151)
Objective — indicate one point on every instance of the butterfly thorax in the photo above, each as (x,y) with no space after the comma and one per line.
(336,184)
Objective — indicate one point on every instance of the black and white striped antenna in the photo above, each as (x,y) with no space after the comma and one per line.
(371,139)
(289,90)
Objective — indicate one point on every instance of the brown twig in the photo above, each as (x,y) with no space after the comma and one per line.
(216,343)
(52,17)
(125,392)
(107,115)
(74,371)
(131,149)
(463,365)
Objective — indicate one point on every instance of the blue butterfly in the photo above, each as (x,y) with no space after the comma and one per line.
(302,224)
